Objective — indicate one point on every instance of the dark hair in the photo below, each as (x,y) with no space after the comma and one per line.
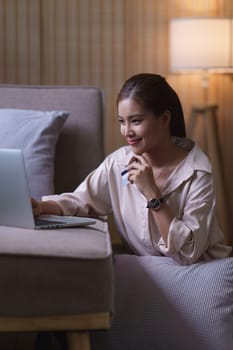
(153,93)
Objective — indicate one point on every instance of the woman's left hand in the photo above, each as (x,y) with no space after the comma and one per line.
(141,174)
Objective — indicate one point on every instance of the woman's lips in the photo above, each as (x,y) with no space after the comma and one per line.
(133,141)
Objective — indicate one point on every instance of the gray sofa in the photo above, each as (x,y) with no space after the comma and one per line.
(55,279)
(160,305)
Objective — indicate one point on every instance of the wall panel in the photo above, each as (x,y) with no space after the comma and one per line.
(102,42)
(19,41)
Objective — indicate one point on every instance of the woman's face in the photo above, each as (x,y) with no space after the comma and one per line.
(143,131)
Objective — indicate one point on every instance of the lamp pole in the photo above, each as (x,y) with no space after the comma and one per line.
(206,118)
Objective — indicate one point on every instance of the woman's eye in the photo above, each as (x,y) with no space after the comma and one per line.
(136,121)
(121,121)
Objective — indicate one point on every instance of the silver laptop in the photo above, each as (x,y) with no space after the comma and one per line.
(15,199)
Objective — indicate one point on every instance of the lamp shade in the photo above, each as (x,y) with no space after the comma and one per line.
(201,44)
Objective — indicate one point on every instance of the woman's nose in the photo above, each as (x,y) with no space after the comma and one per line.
(128,129)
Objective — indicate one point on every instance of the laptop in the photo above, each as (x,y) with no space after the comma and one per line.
(15,198)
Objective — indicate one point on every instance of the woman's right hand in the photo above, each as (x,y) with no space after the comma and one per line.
(36,207)
(45,207)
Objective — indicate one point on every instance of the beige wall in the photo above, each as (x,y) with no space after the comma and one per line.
(102,42)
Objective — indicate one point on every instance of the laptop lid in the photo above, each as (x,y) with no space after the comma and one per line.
(15,199)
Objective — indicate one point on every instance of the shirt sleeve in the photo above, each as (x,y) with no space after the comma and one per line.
(90,198)
(189,234)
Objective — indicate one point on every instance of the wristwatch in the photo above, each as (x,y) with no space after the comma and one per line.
(155,203)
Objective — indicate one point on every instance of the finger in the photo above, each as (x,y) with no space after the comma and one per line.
(135,164)
(143,160)
(139,159)
(132,160)
(36,211)
(33,203)
(130,178)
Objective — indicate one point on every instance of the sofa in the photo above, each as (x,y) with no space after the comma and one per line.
(135,302)
(54,280)
(160,305)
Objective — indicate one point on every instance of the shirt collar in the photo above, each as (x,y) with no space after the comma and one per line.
(196,160)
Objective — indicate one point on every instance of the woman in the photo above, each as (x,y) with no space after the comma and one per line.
(160,187)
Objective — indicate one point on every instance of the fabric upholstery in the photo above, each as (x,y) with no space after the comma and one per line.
(66,271)
(162,305)
(36,133)
(80,146)
(54,272)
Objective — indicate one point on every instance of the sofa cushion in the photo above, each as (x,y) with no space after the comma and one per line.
(55,272)
(162,305)
(36,133)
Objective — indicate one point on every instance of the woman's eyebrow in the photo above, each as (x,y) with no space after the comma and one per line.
(133,115)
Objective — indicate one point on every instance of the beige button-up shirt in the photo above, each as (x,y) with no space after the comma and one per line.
(194,233)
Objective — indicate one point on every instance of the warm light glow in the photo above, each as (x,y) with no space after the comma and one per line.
(201,44)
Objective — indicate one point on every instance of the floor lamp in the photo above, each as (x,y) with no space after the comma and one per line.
(205,45)
(205,118)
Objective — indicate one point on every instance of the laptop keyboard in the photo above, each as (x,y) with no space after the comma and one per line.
(44,222)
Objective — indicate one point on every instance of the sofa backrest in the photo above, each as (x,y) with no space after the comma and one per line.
(80,147)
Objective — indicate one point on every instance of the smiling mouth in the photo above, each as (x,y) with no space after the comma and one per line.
(132,142)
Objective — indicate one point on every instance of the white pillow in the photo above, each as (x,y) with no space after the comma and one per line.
(36,133)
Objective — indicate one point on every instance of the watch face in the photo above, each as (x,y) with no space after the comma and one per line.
(154,203)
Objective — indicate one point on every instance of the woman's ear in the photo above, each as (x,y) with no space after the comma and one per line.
(167,117)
